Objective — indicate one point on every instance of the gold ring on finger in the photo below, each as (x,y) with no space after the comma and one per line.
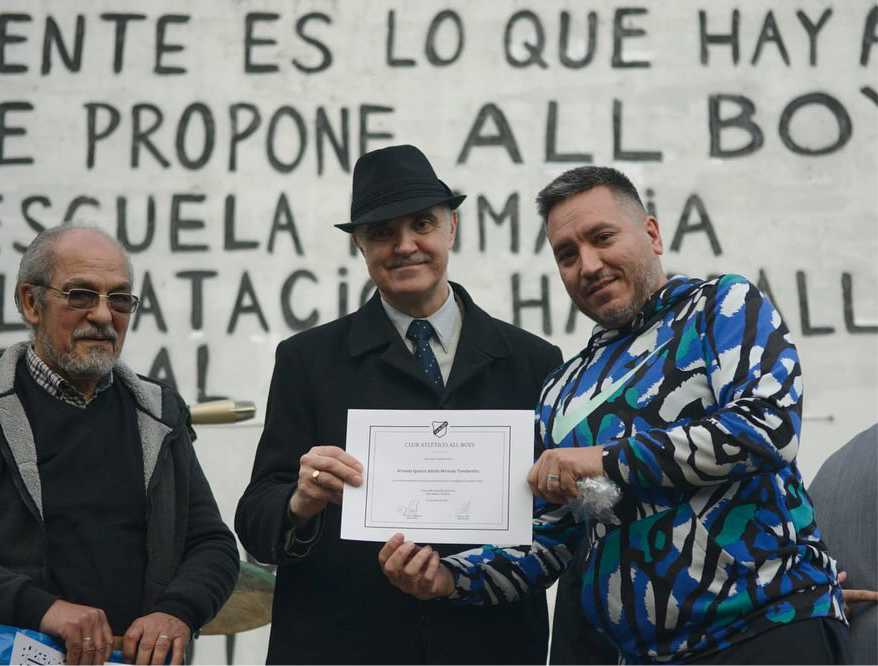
(315,475)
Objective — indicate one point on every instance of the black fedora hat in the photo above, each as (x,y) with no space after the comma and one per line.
(395,181)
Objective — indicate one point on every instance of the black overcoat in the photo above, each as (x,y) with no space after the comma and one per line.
(334,605)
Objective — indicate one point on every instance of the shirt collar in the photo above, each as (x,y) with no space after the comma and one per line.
(58,387)
(444,320)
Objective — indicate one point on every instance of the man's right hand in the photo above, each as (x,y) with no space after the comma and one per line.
(85,631)
(323,472)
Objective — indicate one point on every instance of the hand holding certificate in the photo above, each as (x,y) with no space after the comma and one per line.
(415,570)
(449,476)
(323,472)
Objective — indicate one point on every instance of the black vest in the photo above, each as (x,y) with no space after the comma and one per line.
(94,503)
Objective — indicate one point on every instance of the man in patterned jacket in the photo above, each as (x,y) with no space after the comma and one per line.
(688,397)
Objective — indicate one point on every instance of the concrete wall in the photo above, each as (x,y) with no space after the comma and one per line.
(216,140)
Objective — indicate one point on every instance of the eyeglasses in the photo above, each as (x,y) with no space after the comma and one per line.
(86,299)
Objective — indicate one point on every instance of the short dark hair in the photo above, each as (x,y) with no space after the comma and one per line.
(583,179)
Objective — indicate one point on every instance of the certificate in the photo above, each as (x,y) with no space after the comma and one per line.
(444,476)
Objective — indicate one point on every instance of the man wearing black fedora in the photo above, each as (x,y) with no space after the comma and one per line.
(419,343)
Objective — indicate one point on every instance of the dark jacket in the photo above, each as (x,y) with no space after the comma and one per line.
(333,604)
(845,496)
(192,559)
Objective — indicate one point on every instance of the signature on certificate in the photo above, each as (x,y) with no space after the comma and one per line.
(410,510)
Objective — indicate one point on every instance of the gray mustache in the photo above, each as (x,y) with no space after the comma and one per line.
(95,333)
(413,260)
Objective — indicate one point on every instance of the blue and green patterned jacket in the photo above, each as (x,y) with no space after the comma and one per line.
(698,407)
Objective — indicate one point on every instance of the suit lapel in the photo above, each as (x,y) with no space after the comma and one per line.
(373,332)
(480,343)
(399,357)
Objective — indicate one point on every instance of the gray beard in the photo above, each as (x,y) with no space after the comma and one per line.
(94,364)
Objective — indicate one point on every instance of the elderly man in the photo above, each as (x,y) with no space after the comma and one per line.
(688,398)
(108,524)
(419,343)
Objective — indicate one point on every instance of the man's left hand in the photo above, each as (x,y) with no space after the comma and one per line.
(150,638)
(554,475)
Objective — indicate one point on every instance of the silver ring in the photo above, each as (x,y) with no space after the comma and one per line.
(86,638)
(553,477)
(163,636)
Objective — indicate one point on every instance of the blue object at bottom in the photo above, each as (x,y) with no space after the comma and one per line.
(31,652)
